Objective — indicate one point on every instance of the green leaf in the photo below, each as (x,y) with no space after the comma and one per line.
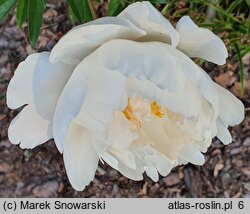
(5,7)
(81,10)
(22,12)
(219,9)
(35,14)
(237,49)
(168,7)
(159,1)
(233,5)
(115,7)
(248,3)
(72,16)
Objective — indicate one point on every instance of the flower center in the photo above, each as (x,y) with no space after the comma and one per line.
(144,131)
(139,109)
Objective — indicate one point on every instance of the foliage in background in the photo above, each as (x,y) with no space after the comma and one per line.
(26,9)
(79,10)
(228,18)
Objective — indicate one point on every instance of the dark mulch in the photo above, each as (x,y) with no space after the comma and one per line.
(40,172)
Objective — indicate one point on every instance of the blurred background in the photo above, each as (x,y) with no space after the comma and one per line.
(29,26)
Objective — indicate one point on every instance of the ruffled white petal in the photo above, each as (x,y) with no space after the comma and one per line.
(222,132)
(152,173)
(84,39)
(231,109)
(161,141)
(147,17)
(159,63)
(80,157)
(134,174)
(191,153)
(185,101)
(163,165)
(145,61)
(120,137)
(39,84)
(200,42)
(157,163)
(29,129)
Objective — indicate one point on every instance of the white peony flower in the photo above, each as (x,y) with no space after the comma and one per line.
(123,90)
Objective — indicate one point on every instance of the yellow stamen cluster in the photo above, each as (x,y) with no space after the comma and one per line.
(129,114)
(156,110)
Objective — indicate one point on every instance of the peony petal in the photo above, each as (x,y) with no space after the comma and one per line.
(108,158)
(164,165)
(198,77)
(33,82)
(222,132)
(134,174)
(160,140)
(155,62)
(68,107)
(147,17)
(84,39)
(124,156)
(145,61)
(106,91)
(191,153)
(29,129)
(157,162)
(181,161)
(79,156)
(39,84)
(200,42)
(185,101)
(120,138)
(119,132)
(152,173)
(231,109)
(96,101)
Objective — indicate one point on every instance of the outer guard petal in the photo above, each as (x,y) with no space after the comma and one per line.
(39,84)
(84,39)
(145,61)
(68,107)
(148,18)
(200,42)
(80,158)
(29,129)
(231,109)
(87,101)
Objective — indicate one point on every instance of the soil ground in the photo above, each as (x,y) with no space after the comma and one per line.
(40,172)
